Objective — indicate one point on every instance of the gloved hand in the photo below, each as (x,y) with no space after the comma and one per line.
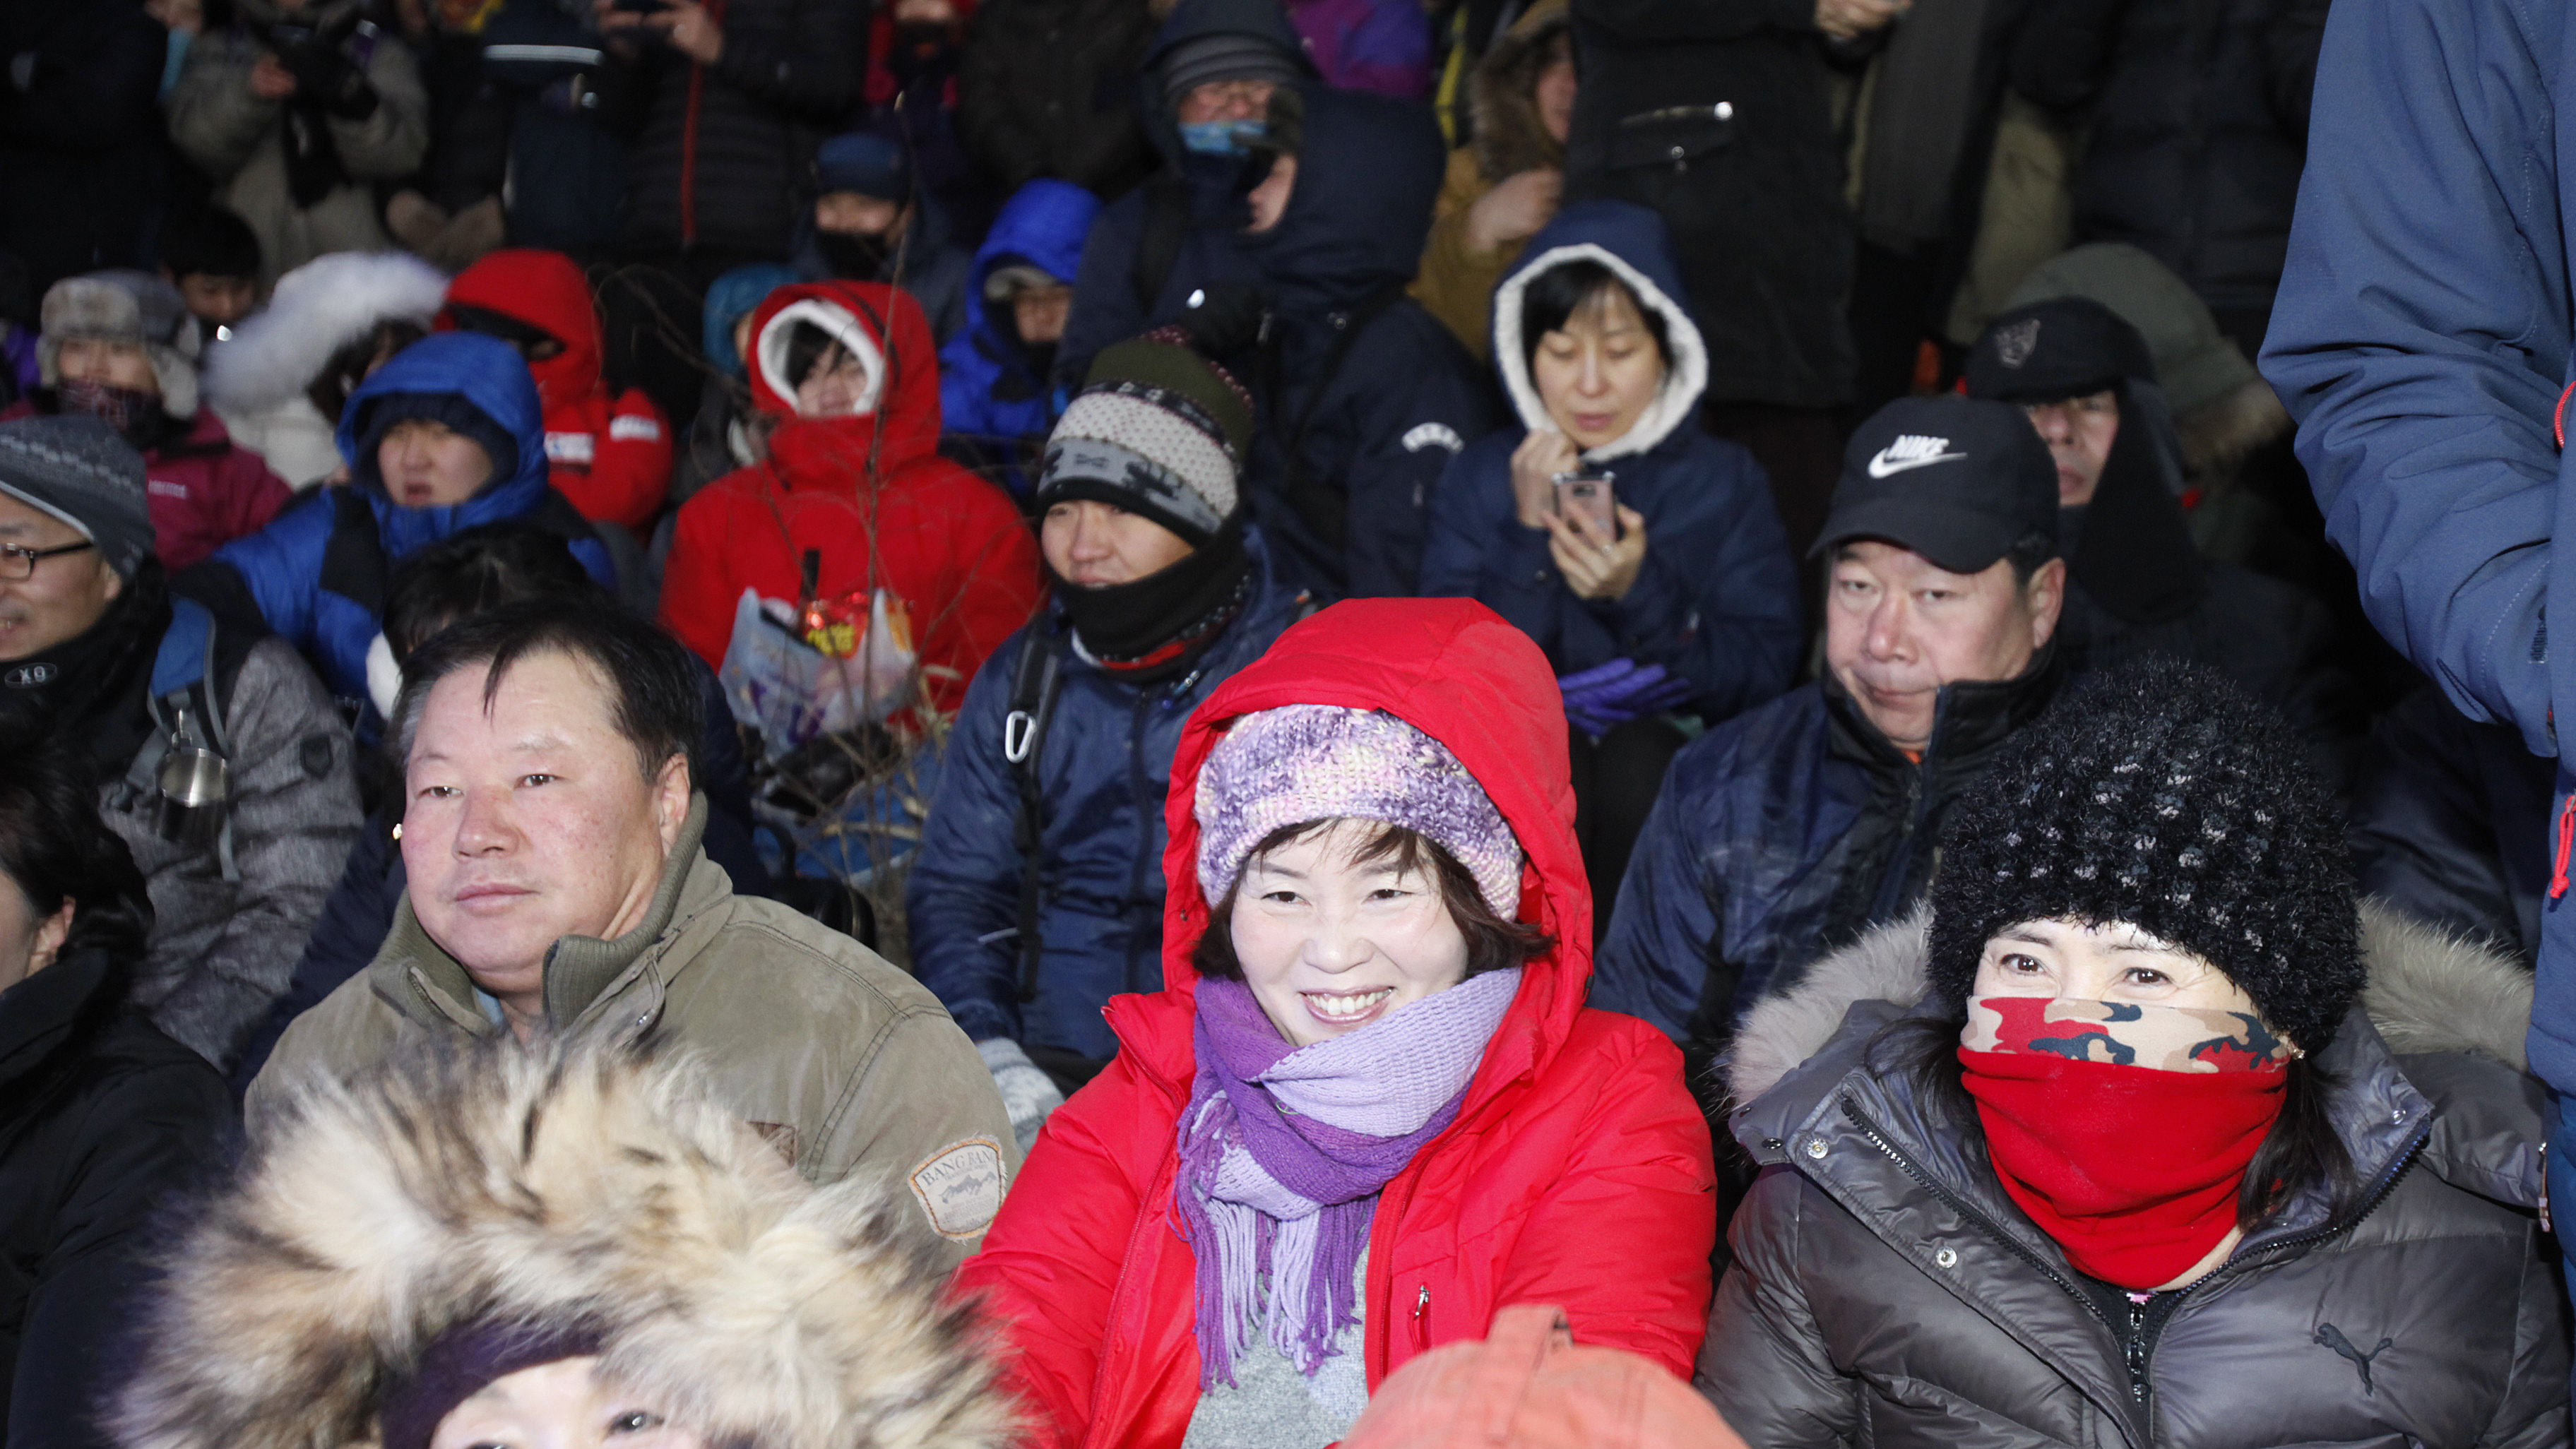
(1601,699)
(1028,1094)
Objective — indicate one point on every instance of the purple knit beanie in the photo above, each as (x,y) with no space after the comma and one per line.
(1305,762)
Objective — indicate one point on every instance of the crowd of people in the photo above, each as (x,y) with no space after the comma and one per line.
(1255,724)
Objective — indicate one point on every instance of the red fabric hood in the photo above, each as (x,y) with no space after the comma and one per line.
(1454,670)
(864,314)
(543,289)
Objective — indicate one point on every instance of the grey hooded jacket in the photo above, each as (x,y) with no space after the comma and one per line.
(1887,1292)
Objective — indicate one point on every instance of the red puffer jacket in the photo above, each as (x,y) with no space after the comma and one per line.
(609,455)
(1577,1173)
(867,494)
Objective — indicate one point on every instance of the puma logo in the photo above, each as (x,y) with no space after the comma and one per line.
(2332,1337)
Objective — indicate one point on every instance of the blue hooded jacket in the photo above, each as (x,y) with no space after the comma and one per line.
(987,392)
(1717,599)
(316,575)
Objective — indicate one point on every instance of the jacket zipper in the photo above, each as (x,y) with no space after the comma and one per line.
(1422,1320)
(1136,784)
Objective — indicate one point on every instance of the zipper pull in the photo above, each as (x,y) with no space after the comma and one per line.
(1421,1319)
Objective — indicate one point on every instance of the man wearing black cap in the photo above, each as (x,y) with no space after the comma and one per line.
(2137,585)
(1792,827)
(870,224)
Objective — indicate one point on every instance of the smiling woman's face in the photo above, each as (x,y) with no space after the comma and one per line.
(1330,944)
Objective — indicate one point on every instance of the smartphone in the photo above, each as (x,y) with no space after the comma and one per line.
(1586,493)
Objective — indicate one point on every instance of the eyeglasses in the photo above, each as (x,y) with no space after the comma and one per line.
(17,565)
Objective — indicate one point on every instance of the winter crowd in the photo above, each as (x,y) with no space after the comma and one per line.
(1263,724)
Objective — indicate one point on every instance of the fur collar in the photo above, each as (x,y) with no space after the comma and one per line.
(483,1179)
(1503,95)
(2429,992)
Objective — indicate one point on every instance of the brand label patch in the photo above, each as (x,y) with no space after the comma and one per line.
(628,428)
(1911,450)
(2015,344)
(571,447)
(1433,435)
(960,1187)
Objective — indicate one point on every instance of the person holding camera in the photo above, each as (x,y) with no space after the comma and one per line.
(293,113)
(1643,555)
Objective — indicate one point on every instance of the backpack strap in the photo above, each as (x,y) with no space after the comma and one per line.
(1037,677)
(353,558)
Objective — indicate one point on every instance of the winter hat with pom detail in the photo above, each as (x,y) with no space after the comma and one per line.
(2162,795)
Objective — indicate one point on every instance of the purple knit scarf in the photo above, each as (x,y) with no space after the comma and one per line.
(1284,1150)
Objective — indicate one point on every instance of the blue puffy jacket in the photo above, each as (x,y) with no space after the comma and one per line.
(2421,338)
(1102,770)
(316,574)
(1782,834)
(988,394)
(1717,599)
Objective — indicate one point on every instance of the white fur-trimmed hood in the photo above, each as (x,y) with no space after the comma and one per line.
(1571,238)
(316,310)
(2429,991)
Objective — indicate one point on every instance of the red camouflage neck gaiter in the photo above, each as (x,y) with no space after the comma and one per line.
(2123,1130)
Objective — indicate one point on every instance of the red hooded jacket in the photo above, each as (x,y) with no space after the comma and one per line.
(1577,1172)
(868,492)
(610,456)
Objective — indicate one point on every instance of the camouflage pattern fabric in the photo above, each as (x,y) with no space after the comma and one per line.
(2126,1034)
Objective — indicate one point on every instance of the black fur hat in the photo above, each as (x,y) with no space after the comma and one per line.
(2162,795)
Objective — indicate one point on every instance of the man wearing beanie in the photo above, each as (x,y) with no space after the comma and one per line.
(2136,583)
(1791,828)
(1206,95)
(120,347)
(870,223)
(447,436)
(1037,894)
(94,650)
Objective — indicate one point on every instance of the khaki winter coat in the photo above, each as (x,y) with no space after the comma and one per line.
(1457,281)
(845,1064)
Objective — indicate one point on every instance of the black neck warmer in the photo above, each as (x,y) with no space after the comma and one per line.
(90,687)
(853,257)
(1159,625)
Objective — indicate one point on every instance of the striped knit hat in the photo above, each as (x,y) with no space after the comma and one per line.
(1156,430)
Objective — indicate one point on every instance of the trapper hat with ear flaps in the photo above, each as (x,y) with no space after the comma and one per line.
(2162,795)
(134,308)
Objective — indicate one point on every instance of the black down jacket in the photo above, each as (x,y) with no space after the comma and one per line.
(1048,88)
(2198,114)
(101,1118)
(1886,1291)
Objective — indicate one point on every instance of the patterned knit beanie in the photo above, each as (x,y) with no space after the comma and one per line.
(2162,795)
(1157,430)
(1305,762)
(80,471)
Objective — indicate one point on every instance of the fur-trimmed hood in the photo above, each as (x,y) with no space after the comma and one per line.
(1634,245)
(488,1181)
(2429,991)
(1503,94)
(316,310)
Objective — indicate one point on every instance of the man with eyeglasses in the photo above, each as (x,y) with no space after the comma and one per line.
(218,758)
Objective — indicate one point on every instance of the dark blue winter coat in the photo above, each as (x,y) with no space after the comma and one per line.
(1782,834)
(316,575)
(1203,195)
(988,393)
(1102,770)
(1370,393)
(2421,338)
(1717,598)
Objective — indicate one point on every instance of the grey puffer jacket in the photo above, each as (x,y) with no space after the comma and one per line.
(1886,1291)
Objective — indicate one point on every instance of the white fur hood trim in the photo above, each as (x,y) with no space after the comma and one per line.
(316,310)
(1684,380)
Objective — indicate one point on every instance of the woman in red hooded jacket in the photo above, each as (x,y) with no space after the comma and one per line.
(1369,1107)
(854,492)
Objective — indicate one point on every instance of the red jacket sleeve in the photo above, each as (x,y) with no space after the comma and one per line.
(994,586)
(1622,1241)
(1050,1266)
(698,590)
(630,464)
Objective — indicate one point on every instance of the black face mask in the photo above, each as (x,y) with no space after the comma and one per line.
(854,257)
(1158,626)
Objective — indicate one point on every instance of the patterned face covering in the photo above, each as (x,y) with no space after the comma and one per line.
(2123,1130)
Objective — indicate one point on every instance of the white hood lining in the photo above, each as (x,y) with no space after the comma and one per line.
(837,323)
(1686,370)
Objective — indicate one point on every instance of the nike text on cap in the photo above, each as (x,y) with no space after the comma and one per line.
(1954,479)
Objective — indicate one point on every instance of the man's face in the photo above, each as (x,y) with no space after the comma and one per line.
(109,364)
(1225,100)
(1898,627)
(2079,432)
(529,821)
(1092,545)
(222,301)
(427,464)
(1039,313)
(855,213)
(66,594)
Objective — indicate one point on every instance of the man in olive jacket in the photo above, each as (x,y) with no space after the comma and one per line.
(555,887)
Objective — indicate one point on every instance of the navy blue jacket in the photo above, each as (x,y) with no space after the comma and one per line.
(988,393)
(1102,771)
(1782,834)
(1717,598)
(315,576)
(1374,430)
(1106,304)
(2421,338)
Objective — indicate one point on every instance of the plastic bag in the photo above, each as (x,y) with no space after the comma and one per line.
(788,690)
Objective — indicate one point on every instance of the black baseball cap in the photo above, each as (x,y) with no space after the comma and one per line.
(2061,348)
(1958,480)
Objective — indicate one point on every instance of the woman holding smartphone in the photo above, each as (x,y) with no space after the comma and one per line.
(1642,554)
